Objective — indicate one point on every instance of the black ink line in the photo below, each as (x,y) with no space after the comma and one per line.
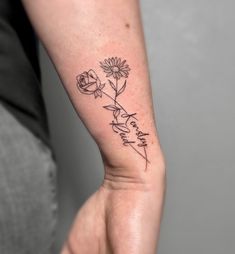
(89,83)
(146,161)
(139,152)
(116,91)
(118,104)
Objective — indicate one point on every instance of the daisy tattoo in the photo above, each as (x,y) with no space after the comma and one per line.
(124,124)
(115,67)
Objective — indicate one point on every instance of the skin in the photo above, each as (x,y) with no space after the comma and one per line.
(124,214)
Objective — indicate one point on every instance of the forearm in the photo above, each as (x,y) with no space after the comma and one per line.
(78,35)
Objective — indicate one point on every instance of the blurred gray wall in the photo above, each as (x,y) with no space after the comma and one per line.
(191,55)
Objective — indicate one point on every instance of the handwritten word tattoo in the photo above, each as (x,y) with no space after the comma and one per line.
(124,124)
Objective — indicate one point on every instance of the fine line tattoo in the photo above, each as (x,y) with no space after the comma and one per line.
(123,123)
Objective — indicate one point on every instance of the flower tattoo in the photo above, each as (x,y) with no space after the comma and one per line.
(89,83)
(123,123)
(115,67)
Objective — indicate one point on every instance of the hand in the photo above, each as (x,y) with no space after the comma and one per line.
(121,217)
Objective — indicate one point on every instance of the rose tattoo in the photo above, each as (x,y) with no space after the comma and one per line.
(89,83)
(123,124)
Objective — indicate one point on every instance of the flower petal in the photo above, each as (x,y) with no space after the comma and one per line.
(124,74)
(91,87)
(106,62)
(92,74)
(109,74)
(119,61)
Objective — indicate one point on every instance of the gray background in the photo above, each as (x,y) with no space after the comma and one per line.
(191,55)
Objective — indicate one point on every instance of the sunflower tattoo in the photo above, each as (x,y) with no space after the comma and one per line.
(124,124)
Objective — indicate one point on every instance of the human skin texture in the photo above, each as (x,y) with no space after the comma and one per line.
(97,47)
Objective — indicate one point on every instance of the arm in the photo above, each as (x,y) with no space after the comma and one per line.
(98,50)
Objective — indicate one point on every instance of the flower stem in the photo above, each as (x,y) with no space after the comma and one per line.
(115,98)
(117,103)
(145,154)
(116,91)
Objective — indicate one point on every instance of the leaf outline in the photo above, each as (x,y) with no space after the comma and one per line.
(122,89)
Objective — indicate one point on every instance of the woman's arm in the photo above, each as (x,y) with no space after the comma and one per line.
(97,47)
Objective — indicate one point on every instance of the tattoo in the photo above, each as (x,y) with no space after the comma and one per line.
(124,124)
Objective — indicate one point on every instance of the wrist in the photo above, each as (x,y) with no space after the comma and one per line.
(130,173)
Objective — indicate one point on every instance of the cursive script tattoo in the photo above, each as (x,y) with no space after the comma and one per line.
(124,124)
